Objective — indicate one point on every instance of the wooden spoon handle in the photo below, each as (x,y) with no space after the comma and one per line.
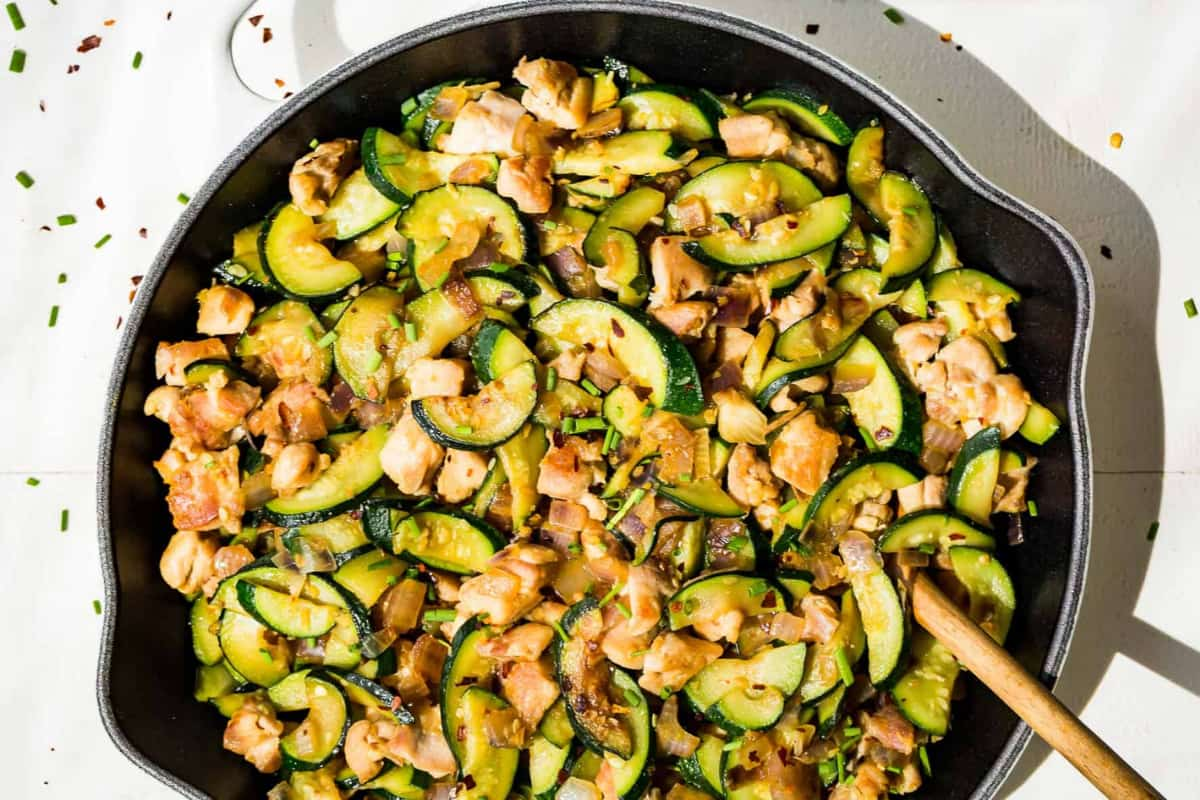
(1021,692)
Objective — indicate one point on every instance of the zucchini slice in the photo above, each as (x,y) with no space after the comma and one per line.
(438,317)
(297,617)
(319,737)
(257,654)
(399,171)
(549,767)
(351,475)
(706,597)
(653,355)
(914,301)
(205,621)
(704,769)
(244,267)
(464,668)
(340,534)
(623,410)
(883,621)
(361,333)
(809,345)
(213,682)
(923,691)
(636,152)
(971,286)
(864,168)
(821,672)
(933,527)
(865,477)
(447,539)
(555,725)
(289,245)
(797,582)
(912,227)
(288,332)
(369,574)
(521,456)
(588,683)
(740,187)
(829,710)
(357,207)
(973,477)
(491,769)
(779,372)
(631,776)
(703,496)
(1040,424)
(886,410)
(484,420)
(397,782)
(610,241)
(807,114)
(687,113)
(199,372)
(781,238)
(747,694)
(992,599)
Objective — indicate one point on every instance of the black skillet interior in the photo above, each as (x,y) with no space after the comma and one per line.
(146,669)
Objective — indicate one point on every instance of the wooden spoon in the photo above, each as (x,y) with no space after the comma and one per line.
(1025,695)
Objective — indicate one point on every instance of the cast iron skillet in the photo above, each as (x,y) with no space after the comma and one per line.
(146,666)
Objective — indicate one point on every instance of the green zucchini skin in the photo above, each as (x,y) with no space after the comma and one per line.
(688,113)
(339,488)
(992,598)
(464,667)
(933,526)
(973,476)
(601,738)
(781,238)
(330,717)
(312,274)
(808,114)
(452,540)
(495,415)
(922,693)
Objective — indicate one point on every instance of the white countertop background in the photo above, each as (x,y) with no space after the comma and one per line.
(1059,79)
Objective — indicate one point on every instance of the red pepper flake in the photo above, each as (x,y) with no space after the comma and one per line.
(100,203)
(108,23)
(45,228)
(286,95)
(267,35)
(88,44)
(618,331)
(955,537)
(677,606)
(812,29)
(142,232)
(72,69)
(119,321)
(468,782)
(136,280)
(169,13)
(279,82)
(768,600)
(257,18)
(42,105)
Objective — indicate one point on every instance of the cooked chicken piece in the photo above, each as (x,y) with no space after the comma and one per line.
(204,489)
(804,452)
(366,746)
(677,276)
(621,645)
(733,344)
(749,478)
(568,470)
(296,411)
(801,303)
(569,364)
(531,688)
(782,401)
(1009,405)
(316,176)
(967,359)
(253,732)
(645,590)
(686,319)
(858,553)
(451,99)
(170,360)
(738,419)
(189,561)
(674,442)
(604,554)
(296,466)
(555,92)
(486,125)
(889,727)
(526,181)
(871,516)
(674,659)
(1011,486)
(524,642)
(821,618)
(399,608)
(755,135)
(203,415)
(908,781)
(462,473)
(929,492)
(511,584)
(918,342)
(423,745)
(223,310)
(870,783)
(418,667)
(962,385)
(228,560)
(436,377)
(604,370)
(410,457)
(993,315)
(815,158)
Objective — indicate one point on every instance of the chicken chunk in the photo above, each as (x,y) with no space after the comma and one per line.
(686,319)
(645,590)
(530,688)
(677,276)
(189,561)
(524,642)
(203,489)
(462,473)
(316,176)
(1009,405)
(568,470)
(224,310)
(423,745)
(801,303)
(755,135)
(170,360)
(962,385)
(410,458)
(674,659)
(295,411)
(510,586)
(555,92)
(816,159)
(526,181)
(733,344)
(929,492)
(486,125)
(203,415)
(917,342)
(738,419)
(227,561)
(889,727)
(253,732)
(804,452)
(821,618)
(366,746)
(436,377)
(296,466)
(749,478)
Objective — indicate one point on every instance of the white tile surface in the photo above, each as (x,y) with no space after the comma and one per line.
(1059,78)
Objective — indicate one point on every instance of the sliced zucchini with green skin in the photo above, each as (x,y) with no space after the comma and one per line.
(505,291)
(212,682)
(780,238)
(291,616)
(747,694)
(491,769)
(971,286)
(439,317)
(883,621)
(806,114)
(484,420)
(945,253)
(631,776)
(399,171)
(340,534)
(822,673)
(549,766)
(923,691)
(610,242)
(205,619)
(588,684)
(199,372)
(864,168)
(1040,424)
(253,650)
(291,328)
(703,496)
(797,582)
(932,527)
(865,477)
(521,457)
(784,276)
(351,475)
(623,410)
(289,245)
(829,710)
(779,372)
(888,413)
(319,737)
(497,350)
(636,152)
(229,704)
(244,267)
(811,345)
(704,769)
(709,595)
(369,574)
(291,693)
(447,539)
(740,187)
(962,321)
(912,227)
(684,112)
(687,544)
(397,782)
(357,207)
(992,599)
(653,355)
(915,301)
(464,668)
(361,331)
(598,188)
(626,75)
(555,725)
(704,163)
(973,478)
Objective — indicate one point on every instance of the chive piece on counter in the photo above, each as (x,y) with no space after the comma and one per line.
(1189,307)
(53,316)
(410,331)
(62,277)
(327,339)
(551,379)
(788,506)
(924,756)
(103,240)
(25,179)
(439,615)
(1033,509)
(589,387)
(14,16)
(63,519)
(1152,534)
(17,62)
(65,219)
(137,60)
(32,481)
(375,361)
(99,609)
(183,198)
(843,665)
(894,16)
(394,320)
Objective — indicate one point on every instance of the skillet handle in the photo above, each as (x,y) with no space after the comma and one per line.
(1021,692)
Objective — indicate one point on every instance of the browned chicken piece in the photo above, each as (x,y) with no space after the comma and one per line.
(410,458)
(686,319)
(462,473)
(674,659)
(755,135)
(1007,406)
(604,555)
(400,606)
(418,667)
(204,489)
(531,688)
(296,466)
(296,411)
(815,158)
(569,363)
(858,553)
(676,445)
(749,478)
(569,469)
(316,176)
(1011,485)
(804,452)
(870,783)
(962,385)
(604,370)
(917,342)
(524,642)
(646,588)
(510,586)
(228,560)
(547,612)
(253,732)
(821,618)
(801,303)
(366,746)
(889,727)
(188,563)
(203,415)
(486,125)
(224,310)
(436,377)
(738,419)
(526,181)
(170,360)
(929,492)
(555,92)
(621,645)
(677,276)
(733,344)
(423,745)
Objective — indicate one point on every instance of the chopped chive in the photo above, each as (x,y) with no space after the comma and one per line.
(499,267)
(17,62)
(574,548)
(608,440)
(762,587)
(788,506)
(312,143)
(310,334)
(32,481)
(924,756)
(183,198)
(1189,307)
(53,316)
(559,630)
(327,339)
(894,770)
(551,379)
(634,699)
(137,60)
(394,320)
(568,425)
(439,615)
(685,477)
(380,564)
(590,424)
(632,500)
(463,430)
(648,410)
(64,519)
(624,609)
(852,731)
(589,387)
(894,16)
(396,257)
(103,240)
(640,653)
(410,331)
(843,665)
(65,219)
(1152,534)
(442,245)
(97,607)
(549,224)
(729,747)
(62,277)
(841,766)
(1033,509)
(25,179)
(926,548)
(14,16)
(402,286)
(737,542)
(423,503)
(612,594)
